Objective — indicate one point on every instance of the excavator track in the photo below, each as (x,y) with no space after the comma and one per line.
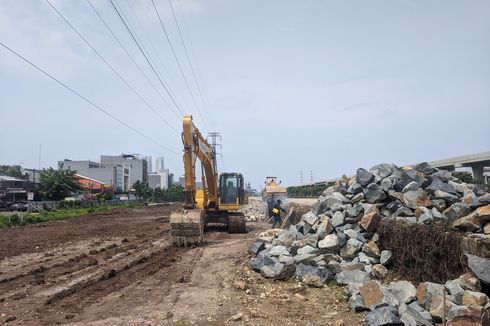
(187,227)
(236,223)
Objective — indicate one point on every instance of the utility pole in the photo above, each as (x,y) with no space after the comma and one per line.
(215,140)
(301,177)
(311,176)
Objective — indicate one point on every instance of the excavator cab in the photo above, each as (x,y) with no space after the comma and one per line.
(231,191)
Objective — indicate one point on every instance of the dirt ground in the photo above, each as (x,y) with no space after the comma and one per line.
(117,268)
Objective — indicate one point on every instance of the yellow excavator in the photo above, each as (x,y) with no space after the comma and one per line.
(218,201)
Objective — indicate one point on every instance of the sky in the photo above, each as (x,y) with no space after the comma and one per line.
(322,87)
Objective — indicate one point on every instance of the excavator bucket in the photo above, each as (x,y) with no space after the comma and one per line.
(187,227)
(236,222)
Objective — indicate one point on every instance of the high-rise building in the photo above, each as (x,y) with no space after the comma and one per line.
(149,159)
(159,179)
(159,164)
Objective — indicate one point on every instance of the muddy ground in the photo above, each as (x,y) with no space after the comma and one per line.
(117,268)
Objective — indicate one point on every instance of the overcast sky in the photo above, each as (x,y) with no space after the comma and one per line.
(321,86)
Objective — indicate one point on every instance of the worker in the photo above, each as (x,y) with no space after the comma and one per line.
(270,205)
(276,211)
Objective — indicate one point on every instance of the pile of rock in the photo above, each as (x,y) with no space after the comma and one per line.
(255,210)
(337,240)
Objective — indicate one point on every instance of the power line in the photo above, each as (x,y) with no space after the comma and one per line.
(147,60)
(159,60)
(86,99)
(131,57)
(190,63)
(178,63)
(112,68)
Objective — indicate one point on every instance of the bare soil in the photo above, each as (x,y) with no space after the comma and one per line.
(118,268)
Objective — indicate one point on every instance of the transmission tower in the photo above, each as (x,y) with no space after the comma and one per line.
(214,139)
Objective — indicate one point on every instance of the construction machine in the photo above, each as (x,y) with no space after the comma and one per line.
(273,189)
(219,199)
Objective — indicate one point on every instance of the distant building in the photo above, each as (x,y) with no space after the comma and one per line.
(12,189)
(159,164)
(170,179)
(182,181)
(149,159)
(159,179)
(112,174)
(136,168)
(91,187)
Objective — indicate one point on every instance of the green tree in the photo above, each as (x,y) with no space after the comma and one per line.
(143,191)
(175,193)
(58,184)
(12,171)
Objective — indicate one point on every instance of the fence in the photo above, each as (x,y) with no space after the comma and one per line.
(38,206)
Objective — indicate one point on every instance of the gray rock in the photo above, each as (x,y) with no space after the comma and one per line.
(364,177)
(385,257)
(307,250)
(401,179)
(338,219)
(411,186)
(310,218)
(455,290)
(484,199)
(480,267)
(365,259)
(342,239)
(388,184)
(421,316)
(404,291)
(256,247)
(383,316)
(383,170)
(278,271)
(438,184)
(319,207)
(351,234)
(355,188)
(259,262)
(352,277)
(304,259)
(279,250)
(286,259)
(439,204)
(343,227)
(442,174)
(302,270)
(285,238)
(426,291)
(358,198)
(425,168)
(356,303)
(455,211)
(374,194)
(416,198)
(355,211)
(351,249)
(404,211)
(336,198)
(330,244)
(448,198)
(334,267)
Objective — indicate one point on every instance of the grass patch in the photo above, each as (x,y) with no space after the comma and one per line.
(22,219)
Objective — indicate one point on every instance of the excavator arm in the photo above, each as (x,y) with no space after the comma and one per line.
(196,147)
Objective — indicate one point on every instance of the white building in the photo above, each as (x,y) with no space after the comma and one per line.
(159,164)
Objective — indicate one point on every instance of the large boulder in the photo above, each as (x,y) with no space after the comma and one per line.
(371,249)
(383,170)
(330,244)
(279,250)
(468,281)
(425,168)
(260,261)
(364,177)
(310,218)
(352,277)
(447,197)
(416,198)
(256,247)
(383,316)
(471,298)
(285,238)
(351,248)
(278,271)
(455,290)
(374,194)
(438,184)
(324,228)
(404,291)
(425,292)
(421,316)
(303,270)
(480,267)
(374,295)
(370,220)
(455,211)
